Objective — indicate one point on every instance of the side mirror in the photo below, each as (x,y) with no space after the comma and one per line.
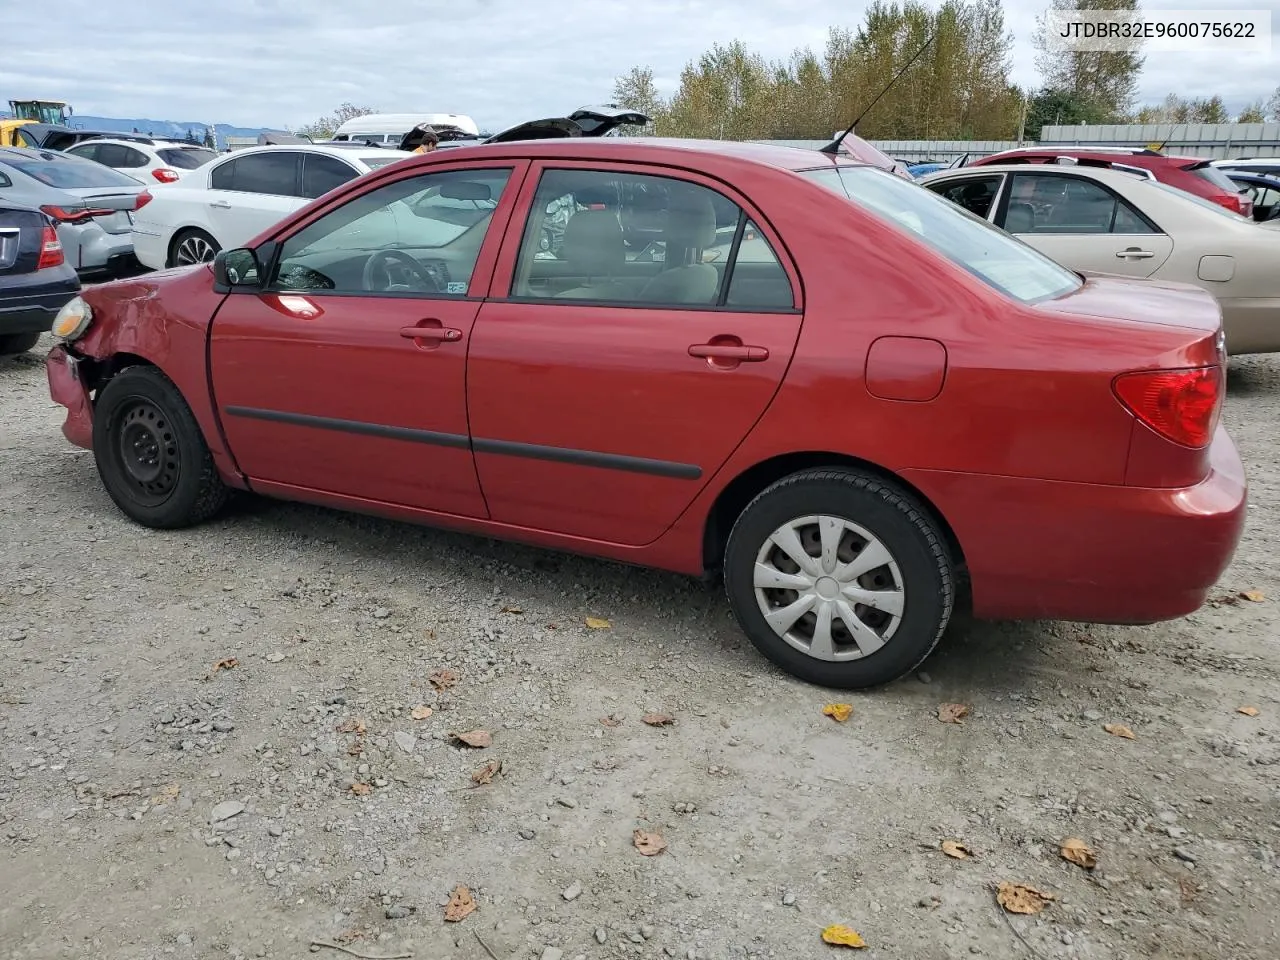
(236,268)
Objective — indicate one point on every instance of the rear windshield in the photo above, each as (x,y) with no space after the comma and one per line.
(186,158)
(373,163)
(1216,177)
(63,170)
(987,252)
(1198,201)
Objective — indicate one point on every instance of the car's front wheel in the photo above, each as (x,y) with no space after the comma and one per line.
(193,246)
(839,578)
(150,452)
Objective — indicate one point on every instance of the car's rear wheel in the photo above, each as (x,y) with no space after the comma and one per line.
(15,343)
(193,246)
(839,578)
(150,452)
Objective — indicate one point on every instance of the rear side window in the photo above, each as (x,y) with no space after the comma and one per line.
(61,170)
(186,158)
(320,174)
(1060,204)
(270,173)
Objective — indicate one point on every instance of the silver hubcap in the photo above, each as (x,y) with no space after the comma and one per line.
(194,250)
(829,588)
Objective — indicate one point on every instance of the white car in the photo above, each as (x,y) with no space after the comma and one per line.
(1112,221)
(1267,166)
(149,159)
(226,203)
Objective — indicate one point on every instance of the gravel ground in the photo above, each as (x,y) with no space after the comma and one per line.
(154,805)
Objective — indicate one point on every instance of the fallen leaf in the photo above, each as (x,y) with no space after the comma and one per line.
(612,720)
(842,936)
(513,610)
(486,773)
(952,712)
(443,679)
(461,904)
(597,623)
(1079,853)
(361,789)
(351,725)
(1119,730)
(421,712)
(839,712)
(1248,711)
(227,664)
(474,738)
(649,844)
(658,719)
(956,849)
(166,795)
(1254,596)
(1020,898)
(356,748)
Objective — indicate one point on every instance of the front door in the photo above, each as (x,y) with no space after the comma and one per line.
(1082,225)
(249,193)
(608,381)
(346,374)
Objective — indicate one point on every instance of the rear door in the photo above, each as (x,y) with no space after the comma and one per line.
(1082,224)
(607,384)
(249,193)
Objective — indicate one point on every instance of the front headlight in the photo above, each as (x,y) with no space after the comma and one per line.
(72,320)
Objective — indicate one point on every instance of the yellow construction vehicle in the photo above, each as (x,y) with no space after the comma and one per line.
(42,111)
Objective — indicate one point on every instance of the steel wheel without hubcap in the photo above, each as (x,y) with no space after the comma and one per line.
(194,249)
(148,453)
(829,588)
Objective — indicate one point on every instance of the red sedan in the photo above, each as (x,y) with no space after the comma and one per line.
(860,404)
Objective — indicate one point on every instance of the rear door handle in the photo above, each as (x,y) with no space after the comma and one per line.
(1133,253)
(729,351)
(221,204)
(439,334)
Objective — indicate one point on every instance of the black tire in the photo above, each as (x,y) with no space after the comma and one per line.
(150,453)
(12,344)
(192,234)
(904,528)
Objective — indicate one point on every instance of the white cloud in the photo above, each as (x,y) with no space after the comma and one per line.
(274,63)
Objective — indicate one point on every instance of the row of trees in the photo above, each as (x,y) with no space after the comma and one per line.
(959,86)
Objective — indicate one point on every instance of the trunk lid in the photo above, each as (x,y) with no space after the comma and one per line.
(113,209)
(1127,301)
(583,122)
(21,238)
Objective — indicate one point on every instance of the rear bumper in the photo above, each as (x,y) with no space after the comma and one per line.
(67,388)
(1251,325)
(33,305)
(1040,549)
(91,249)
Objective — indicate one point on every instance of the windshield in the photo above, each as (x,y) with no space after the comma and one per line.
(186,158)
(985,251)
(62,170)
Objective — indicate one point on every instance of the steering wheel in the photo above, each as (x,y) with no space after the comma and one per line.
(378,274)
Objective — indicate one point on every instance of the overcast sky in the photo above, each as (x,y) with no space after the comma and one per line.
(284,62)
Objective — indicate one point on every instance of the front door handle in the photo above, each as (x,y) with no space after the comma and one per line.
(729,351)
(1133,253)
(221,205)
(436,334)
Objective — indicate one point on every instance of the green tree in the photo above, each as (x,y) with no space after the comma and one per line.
(1050,107)
(636,90)
(1106,79)
(210,139)
(323,128)
(1253,113)
(1273,107)
(1176,109)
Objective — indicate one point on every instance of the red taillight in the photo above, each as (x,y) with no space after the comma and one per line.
(1180,405)
(165,175)
(63,215)
(50,250)
(142,200)
(1235,203)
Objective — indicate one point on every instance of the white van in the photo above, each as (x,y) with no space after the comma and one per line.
(388,128)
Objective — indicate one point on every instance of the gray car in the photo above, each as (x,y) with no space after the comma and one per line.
(92,205)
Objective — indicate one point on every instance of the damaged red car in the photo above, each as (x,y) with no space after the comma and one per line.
(860,405)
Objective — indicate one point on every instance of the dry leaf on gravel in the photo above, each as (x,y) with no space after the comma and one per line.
(228,664)
(956,849)
(612,720)
(361,789)
(598,623)
(421,712)
(166,795)
(351,725)
(658,719)
(461,904)
(1254,596)
(839,712)
(513,609)
(486,773)
(952,712)
(442,678)
(1248,711)
(1119,730)
(649,844)
(474,738)
(1020,898)
(841,936)
(1079,853)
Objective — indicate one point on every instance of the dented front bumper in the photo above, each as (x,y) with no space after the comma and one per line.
(67,387)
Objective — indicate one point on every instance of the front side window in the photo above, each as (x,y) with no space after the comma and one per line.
(641,240)
(987,252)
(321,173)
(976,194)
(62,170)
(88,151)
(420,235)
(1052,204)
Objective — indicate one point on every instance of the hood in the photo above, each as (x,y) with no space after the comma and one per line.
(583,122)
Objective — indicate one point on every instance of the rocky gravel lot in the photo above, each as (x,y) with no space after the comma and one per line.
(233,741)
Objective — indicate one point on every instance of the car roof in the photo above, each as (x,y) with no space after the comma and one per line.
(27,153)
(1105,175)
(359,153)
(1136,156)
(658,150)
